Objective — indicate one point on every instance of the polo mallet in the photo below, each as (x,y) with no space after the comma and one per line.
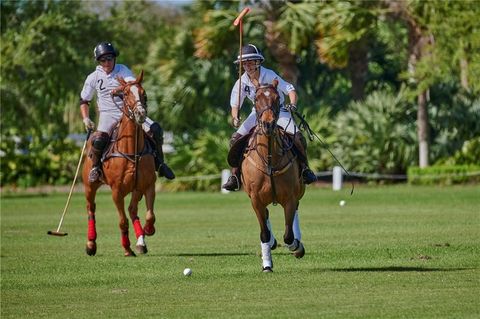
(58,232)
(238,22)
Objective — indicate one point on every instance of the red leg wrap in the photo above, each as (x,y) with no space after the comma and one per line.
(92,232)
(138,228)
(125,240)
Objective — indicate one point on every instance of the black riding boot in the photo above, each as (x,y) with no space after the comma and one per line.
(95,173)
(233,183)
(301,145)
(160,165)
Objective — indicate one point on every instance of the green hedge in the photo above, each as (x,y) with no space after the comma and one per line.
(444,175)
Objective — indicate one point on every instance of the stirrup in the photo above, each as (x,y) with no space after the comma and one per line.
(94,174)
(165,171)
(232,184)
(308,176)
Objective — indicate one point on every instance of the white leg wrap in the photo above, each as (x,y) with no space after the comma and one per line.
(296,227)
(141,241)
(294,246)
(266,255)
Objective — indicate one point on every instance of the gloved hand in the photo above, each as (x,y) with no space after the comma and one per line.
(117,92)
(89,125)
(291,107)
(236,122)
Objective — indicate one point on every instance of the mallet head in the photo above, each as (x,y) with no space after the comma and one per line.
(56,233)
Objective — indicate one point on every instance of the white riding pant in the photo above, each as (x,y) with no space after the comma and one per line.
(108,120)
(285,121)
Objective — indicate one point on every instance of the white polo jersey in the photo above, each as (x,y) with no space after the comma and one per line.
(248,89)
(267,76)
(102,84)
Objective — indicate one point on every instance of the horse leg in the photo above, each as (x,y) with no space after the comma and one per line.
(119,201)
(149,228)
(269,225)
(292,234)
(296,225)
(137,226)
(90,193)
(266,238)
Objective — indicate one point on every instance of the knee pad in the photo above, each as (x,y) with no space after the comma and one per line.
(100,140)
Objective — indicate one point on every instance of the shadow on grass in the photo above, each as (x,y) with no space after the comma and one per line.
(395,269)
(209,254)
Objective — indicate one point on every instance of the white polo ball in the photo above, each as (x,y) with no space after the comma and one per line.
(187,271)
(342,203)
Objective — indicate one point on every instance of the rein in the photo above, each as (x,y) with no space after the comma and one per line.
(270,140)
(311,134)
(136,156)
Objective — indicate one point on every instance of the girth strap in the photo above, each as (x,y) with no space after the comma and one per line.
(275,172)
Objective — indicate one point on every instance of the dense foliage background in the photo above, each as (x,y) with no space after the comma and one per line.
(376,79)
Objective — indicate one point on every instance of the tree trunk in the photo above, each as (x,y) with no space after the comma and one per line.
(417,42)
(279,50)
(358,68)
(276,44)
(422,129)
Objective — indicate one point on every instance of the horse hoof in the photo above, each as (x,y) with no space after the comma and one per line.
(130,253)
(267,269)
(300,251)
(149,230)
(275,244)
(91,248)
(141,249)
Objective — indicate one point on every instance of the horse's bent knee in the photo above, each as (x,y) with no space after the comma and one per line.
(265,237)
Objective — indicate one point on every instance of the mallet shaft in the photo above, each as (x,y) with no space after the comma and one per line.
(73,185)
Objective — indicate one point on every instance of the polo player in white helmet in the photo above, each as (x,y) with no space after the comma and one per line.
(254,76)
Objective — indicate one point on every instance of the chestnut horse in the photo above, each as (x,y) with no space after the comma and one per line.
(271,174)
(127,168)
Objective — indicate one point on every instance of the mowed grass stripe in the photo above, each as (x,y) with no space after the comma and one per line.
(390,252)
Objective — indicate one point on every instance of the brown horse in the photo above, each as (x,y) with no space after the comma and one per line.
(127,168)
(271,174)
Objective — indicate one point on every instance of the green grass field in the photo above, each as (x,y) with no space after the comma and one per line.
(390,252)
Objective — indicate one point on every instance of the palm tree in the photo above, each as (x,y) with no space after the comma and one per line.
(340,31)
(419,39)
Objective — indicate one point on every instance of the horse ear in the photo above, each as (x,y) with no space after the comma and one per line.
(140,78)
(275,83)
(121,80)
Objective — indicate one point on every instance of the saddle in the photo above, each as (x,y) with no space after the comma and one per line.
(238,149)
(235,155)
(110,150)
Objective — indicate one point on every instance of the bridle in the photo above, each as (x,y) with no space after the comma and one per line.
(267,128)
(273,106)
(136,112)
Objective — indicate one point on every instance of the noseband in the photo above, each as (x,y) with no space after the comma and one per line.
(272,105)
(135,112)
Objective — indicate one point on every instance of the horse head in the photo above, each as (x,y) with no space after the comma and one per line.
(267,107)
(134,98)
